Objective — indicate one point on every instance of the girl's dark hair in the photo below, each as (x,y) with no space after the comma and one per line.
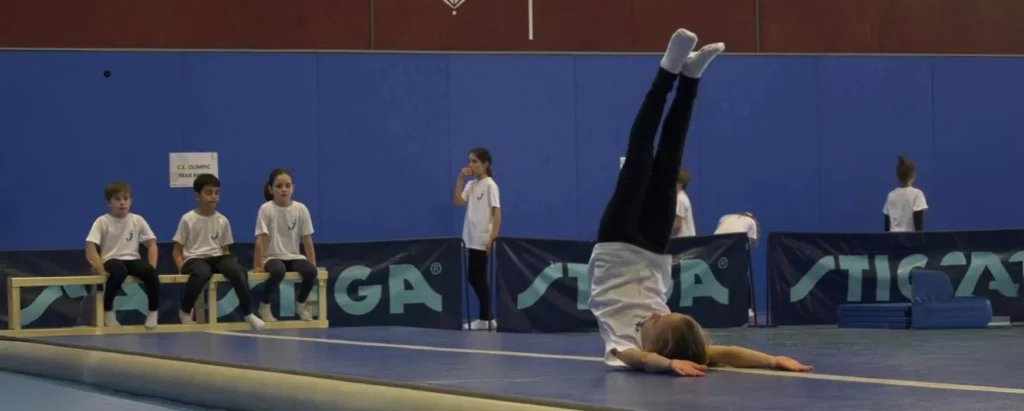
(267,193)
(905,170)
(483,156)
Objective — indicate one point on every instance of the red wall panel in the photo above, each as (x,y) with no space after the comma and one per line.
(560,25)
(820,26)
(247,24)
(953,26)
(786,26)
(432,25)
(729,21)
(892,26)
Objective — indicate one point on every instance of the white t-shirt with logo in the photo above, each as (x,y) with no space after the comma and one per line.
(284,227)
(203,236)
(480,196)
(901,205)
(627,285)
(737,223)
(685,210)
(119,238)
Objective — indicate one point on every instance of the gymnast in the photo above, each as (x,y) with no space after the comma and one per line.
(629,268)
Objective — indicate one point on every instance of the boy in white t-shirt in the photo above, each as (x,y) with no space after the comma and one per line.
(629,270)
(201,250)
(479,228)
(112,248)
(904,207)
(683,226)
(282,225)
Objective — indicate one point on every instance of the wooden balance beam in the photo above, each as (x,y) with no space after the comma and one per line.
(205,310)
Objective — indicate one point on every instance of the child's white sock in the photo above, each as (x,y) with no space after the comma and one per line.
(679,48)
(110,320)
(698,61)
(265,313)
(255,322)
(151,319)
(303,310)
(186,318)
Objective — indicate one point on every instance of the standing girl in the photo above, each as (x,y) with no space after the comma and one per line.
(480,228)
(281,226)
(904,208)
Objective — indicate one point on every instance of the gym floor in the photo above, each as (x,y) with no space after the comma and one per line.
(855,369)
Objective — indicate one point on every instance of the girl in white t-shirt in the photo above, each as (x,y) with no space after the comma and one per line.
(480,228)
(904,207)
(683,226)
(281,226)
(629,270)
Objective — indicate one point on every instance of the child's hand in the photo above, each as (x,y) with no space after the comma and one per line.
(789,364)
(466,172)
(688,368)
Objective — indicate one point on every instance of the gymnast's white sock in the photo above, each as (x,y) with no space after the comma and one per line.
(679,48)
(699,60)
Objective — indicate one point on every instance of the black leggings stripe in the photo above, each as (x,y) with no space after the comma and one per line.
(477,273)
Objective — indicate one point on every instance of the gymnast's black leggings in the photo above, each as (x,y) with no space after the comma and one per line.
(643,208)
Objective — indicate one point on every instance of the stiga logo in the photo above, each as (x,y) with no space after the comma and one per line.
(856,266)
(690,271)
(420,292)
(398,275)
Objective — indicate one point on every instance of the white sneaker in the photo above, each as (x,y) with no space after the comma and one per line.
(303,310)
(151,319)
(265,313)
(255,322)
(186,318)
(476,325)
(110,320)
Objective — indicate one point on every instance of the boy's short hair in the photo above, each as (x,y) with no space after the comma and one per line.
(684,178)
(204,180)
(116,188)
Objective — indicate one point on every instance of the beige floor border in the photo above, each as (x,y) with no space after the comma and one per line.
(231,388)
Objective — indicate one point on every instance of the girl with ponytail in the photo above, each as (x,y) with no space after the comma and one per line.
(480,228)
(904,207)
(282,225)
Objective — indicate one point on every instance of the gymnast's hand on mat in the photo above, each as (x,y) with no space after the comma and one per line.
(688,368)
(789,364)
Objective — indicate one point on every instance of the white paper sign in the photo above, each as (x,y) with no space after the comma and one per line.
(622,160)
(186,166)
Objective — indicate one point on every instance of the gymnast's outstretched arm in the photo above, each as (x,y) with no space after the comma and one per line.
(651,362)
(740,357)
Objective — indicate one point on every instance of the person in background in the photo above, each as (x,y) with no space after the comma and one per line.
(281,226)
(201,250)
(904,207)
(479,229)
(112,249)
(744,222)
(683,226)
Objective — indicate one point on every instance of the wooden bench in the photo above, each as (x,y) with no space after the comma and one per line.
(205,310)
